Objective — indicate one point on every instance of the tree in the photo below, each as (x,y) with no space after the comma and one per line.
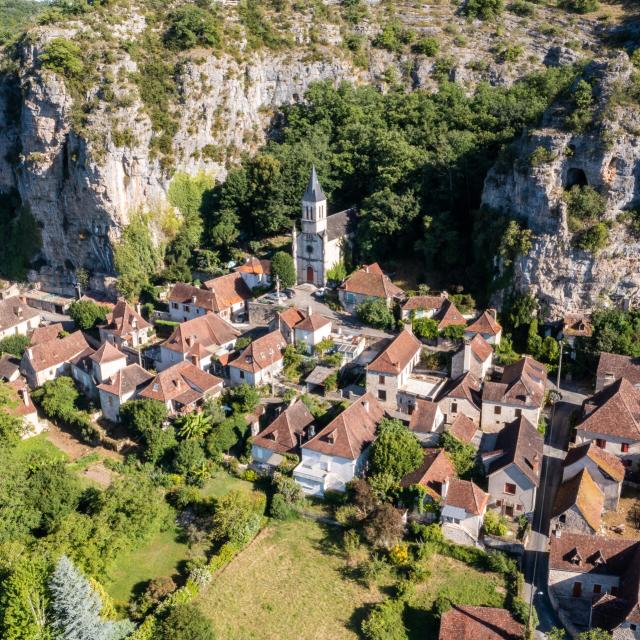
(461,454)
(425,328)
(86,313)
(64,57)
(244,398)
(194,426)
(142,416)
(186,622)
(189,457)
(375,313)
(594,634)
(283,268)
(385,622)
(483,9)
(384,527)
(225,436)
(396,450)
(15,345)
(361,495)
(76,607)
(494,524)
(191,26)
(57,398)
(580,6)
(236,517)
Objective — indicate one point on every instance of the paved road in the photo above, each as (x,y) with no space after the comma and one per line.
(536,557)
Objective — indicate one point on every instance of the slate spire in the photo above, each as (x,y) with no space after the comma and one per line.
(314,192)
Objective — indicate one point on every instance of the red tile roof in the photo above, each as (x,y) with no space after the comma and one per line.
(209,331)
(351,432)
(449,316)
(463,428)
(480,348)
(464,387)
(424,303)
(397,355)
(607,462)
(188,294)
(107,353)
(292,316)
(466,495)
(614,411)
(583,493)
(183,382)
(284,433)
(479,623)
(312,323)
(485,324)
(228,290)
(423,416)
(44,334)
(432,473)
(57,351)
(261,353)
(15,310)
(256,266)
(123,320)
(619,367)
(126,380)
(523,384)
(371,281)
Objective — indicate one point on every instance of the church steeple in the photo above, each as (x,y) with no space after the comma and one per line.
(314,206)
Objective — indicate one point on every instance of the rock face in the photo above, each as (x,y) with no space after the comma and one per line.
(563,277)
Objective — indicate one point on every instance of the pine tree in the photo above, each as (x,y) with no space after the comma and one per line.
(76,607)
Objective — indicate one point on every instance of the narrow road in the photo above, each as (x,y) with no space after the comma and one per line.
(535,562)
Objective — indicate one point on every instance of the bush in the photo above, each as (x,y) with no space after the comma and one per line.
(186,622)
(64,57)
(281,509)
(541,156)
(425,328)
(86,313)
(375,313)
(396,451)
(393,36)
(483,9)
(593,239)
(580,6)
(522,8)
(15,345)
(427,46)
(495,524)
(192,26)
(386,622)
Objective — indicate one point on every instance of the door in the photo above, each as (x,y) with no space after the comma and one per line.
(577,589)
(310,274)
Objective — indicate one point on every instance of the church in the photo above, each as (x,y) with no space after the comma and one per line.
(322,240)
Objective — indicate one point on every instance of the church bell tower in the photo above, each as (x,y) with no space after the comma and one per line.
(314,206)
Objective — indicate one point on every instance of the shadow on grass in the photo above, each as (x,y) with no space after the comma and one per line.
(420,623)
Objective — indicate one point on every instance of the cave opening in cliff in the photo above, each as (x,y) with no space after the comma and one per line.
(576,177)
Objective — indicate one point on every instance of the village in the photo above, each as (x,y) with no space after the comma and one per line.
(511,459)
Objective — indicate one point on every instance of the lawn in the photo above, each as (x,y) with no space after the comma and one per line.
(288,585)
(222,483)
(161,556)
(40,448)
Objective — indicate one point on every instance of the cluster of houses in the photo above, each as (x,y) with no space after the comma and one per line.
(494,409)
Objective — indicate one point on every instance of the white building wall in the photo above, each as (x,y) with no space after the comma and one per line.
(451,407)
(613,445)
(562,582)
(21,328)
(318,472)
(182,312)
(492,422)
(524,500)
(312,338)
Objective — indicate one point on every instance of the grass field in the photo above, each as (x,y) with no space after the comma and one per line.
(287,585)
(222,483)
(40,448)
(161,556)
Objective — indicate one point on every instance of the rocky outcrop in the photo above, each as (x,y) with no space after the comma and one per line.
(563,277)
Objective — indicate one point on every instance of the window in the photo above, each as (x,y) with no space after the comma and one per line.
(633,627)
(601,443)
(241,375)
(519,507)
(624,447)
(454,407)
(510,488)
(597,588)
(382,394)
(518,413)
(577,589)
(186,308)
(497,410)
(380,379)
(562,518)
(614,591)
(174,305)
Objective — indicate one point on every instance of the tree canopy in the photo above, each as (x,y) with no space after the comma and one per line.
(396,451)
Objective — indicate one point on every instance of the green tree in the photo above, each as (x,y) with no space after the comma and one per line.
(375,313)
(396,450)
(483,9)
(425,328)
(384,527)
(76,607)
(191,26)
(15,345)
(186,622)
(194,426)
(594,634)
(428,46)
(283,268)
(57,398)
(386,621)
(86,313)
(462,455)
(580,6)
(225,436)
(189,457)
(244,398)
(143,415)
(236,518)
(64,57)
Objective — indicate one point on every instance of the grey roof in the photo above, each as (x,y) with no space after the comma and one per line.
(9,364)
(314,192)
(341,224)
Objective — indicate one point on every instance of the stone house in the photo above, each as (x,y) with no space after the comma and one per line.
(606,470)
(462,511)
(520,392)
(338,452)
(24,409)
(50,359)
(122,386)
(479,623)
(463,428)
(476,355)
(422,306)
(390,371)
(125,327)
(513,469)
(199,341)
(17,318)
(369,282)
(461,396)
(322,240)
(90,368)
(578,505)
(255,272)
(611,419)
(187,302)
(182,388)
(427,420)
(487,326)
(229,296)
(576,325)
(293,427)
(612,367)
(285,322)
(260,362)
(312,330)
(596,580)
(449,316)
(46,333)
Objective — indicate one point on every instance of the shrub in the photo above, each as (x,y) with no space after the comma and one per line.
(64,57)
(594,239)
(522,8)
(281,509)
(396,450)
(15,345)
(384,526)
(580,6)
(393,36)
(375,313)
(186,622)
(192,26)
(427,46)
(483,9)
(386,622)
(540,156)
(86,313)
(494,524)
(283,268)
(425,328)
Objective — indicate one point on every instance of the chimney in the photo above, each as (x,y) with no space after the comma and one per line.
(193,299)
(194,359)
(309,310)
(24,394)
(138,308)
(408,327)
(365,404)
(445,488)
(134,322)
(311,432)
(493,313)
(18,311)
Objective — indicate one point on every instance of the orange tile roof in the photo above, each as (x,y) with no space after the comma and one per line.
(261,353)
(522,383)
(371,281)
(479,623)
(435,469)
(188,294)
(609,463)
(124,319)
(313,322)
(351,432)
(582,492)
(126,380)
(107,353)
(183,382)
(619,367)
(466,495)
(463,428)
(284,433)
(397,355)
(423,416)
(587,553)
(292,316)
(209,331)
(44,334)
(481,348)
(464,387)
(57,351)
(228,290)
(449,316)
(486,324)
(255,266)
(425,303)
